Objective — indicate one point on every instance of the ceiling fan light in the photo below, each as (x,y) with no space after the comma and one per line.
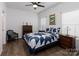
(35,6)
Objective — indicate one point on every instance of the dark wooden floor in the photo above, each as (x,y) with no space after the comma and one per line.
(19,48)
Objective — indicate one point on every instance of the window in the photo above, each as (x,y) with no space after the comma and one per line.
(70,23)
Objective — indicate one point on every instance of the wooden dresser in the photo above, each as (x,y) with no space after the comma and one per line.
(27,29)
(66,42)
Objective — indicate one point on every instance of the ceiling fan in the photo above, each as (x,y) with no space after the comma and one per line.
(35,5)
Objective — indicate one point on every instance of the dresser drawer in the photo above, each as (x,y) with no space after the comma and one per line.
(27,29)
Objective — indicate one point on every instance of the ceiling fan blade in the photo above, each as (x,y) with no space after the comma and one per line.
(33,2)
(38,2)
(29,5)
(41,6)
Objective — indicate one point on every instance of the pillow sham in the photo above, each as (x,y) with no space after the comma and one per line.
(48,30)
(53,30)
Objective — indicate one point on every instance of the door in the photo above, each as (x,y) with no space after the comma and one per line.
(2,25)
(0,32)
(3,28)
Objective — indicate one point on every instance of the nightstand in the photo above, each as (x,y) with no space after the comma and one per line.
(66,41)
(41,30)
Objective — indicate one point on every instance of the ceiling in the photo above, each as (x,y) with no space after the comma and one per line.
(21,5)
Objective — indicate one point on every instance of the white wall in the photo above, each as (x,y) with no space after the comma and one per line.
(4,24)
(2,17)
(71,20)
(43,23)
(48,12)
(58,10)
(16,18)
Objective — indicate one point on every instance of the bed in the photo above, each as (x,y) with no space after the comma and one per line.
(40,39)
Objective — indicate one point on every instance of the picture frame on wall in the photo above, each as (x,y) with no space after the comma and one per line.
(52,19)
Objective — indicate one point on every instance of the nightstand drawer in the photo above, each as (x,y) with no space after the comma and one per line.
(66,41)
(65,46)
